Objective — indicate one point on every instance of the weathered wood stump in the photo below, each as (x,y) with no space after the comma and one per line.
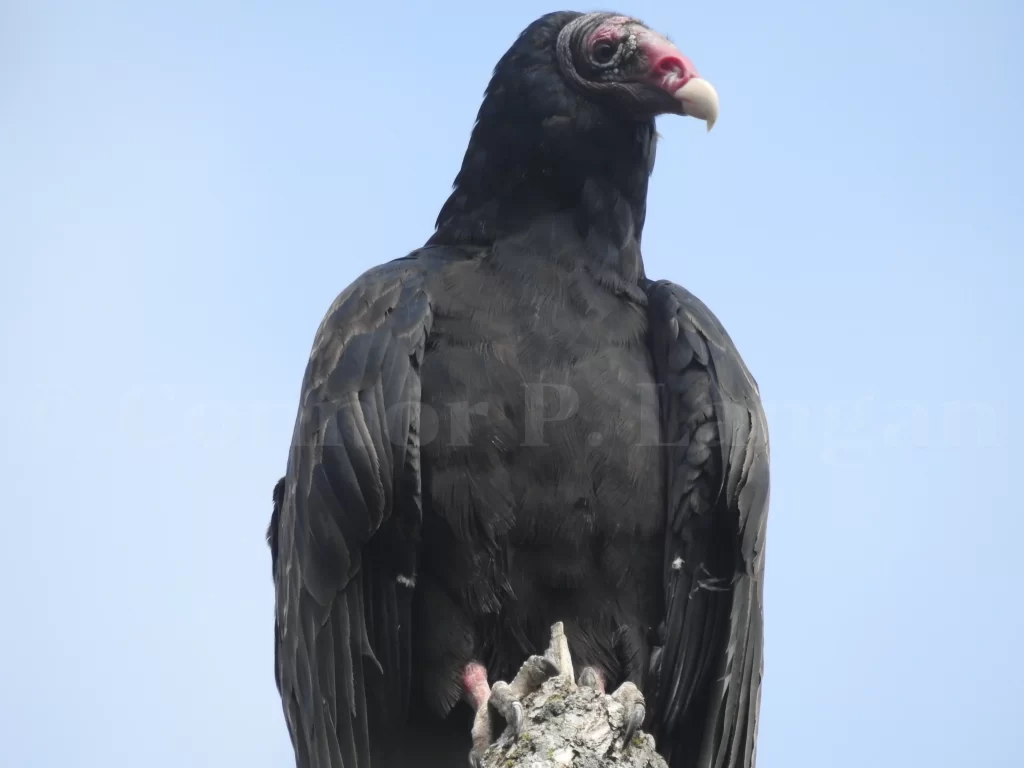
(571,726)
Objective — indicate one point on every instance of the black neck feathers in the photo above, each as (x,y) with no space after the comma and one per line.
(540,148)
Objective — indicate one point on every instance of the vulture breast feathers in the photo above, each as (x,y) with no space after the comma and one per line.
(435,518)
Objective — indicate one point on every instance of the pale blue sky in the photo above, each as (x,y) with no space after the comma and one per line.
(185,186)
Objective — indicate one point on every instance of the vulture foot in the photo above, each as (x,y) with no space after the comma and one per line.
(591,678)
(504,704)
(627,694)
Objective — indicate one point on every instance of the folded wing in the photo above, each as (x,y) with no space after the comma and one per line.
(346,519)
(710,663)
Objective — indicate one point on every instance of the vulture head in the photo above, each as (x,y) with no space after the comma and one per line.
(620,65)
(572,100)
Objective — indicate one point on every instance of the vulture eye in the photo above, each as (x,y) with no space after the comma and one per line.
(603,52)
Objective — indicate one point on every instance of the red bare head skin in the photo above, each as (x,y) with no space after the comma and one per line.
(667,67)
(617,60)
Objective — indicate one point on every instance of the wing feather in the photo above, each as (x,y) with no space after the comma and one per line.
(710,662)
(345,522)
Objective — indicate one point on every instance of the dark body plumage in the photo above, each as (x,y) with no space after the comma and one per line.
(513,426)
(545,507)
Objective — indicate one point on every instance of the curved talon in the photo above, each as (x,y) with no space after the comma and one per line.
(629,696)
(634,720)
(590,679)
(518,720)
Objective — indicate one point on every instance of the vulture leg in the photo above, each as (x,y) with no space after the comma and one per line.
(627,694)
(502,702)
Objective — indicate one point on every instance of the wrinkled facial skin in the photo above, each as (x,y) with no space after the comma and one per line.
(617,61)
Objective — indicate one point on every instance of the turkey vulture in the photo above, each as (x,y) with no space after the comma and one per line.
(514,426)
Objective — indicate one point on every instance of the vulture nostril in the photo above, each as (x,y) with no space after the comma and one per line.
(669,65)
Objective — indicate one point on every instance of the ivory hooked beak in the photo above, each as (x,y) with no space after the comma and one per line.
(699,99)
